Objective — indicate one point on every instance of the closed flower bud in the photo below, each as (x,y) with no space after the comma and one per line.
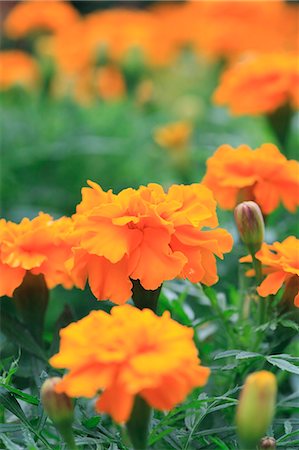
(268,442)
(250,223)
(256,408)
(59,407)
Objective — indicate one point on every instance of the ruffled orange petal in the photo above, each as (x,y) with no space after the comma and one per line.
(157,262)
(117,402)
(272,283)
(10,279)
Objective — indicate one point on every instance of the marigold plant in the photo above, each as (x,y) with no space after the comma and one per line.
(280,263)
(136,352)
(40,245)
(17,68)
(263,175)
(146,235)
(260,84)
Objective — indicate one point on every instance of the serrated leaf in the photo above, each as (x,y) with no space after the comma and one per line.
(283,365)
(227,354)
(247,355)
(290,324)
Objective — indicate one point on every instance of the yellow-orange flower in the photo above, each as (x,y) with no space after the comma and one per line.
(17,68)
(110,83)
(146,235)
(173,136)
(263,175)
(136,352)
(30,16)
(40,245)
(260,84)
(228,28)
(280,263)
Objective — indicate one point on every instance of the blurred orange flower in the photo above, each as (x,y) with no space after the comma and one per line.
(110,83)
(28,16)
(260,84)
(228,28)
(174,135)
(263,175)
(40,246)
(280,262)
(146,235)
(136,352)
(17,68)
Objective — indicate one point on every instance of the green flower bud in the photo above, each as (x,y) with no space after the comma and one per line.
(256,408)
(59,407)
(250,224)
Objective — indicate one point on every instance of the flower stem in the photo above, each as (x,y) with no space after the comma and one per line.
(138,424)
(257,265)
(143,298)
(68,436)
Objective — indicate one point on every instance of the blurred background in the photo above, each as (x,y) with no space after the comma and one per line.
(120,92)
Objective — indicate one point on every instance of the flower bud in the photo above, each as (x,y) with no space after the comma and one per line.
(250,223)
(59,407)
(268,442)
(256,407)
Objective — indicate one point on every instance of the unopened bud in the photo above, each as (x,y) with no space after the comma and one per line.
(250,223)
(59,407)
(256,407)
(268,442)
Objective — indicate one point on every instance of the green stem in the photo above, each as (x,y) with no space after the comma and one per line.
(143,298)
(214,303)
(68,436)
(138,424)
(257,265)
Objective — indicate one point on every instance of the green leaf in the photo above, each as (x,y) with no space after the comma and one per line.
(227,354)
(21,395)
(9,444)
(283,365)
(247,355)
(10,403)
(19,334)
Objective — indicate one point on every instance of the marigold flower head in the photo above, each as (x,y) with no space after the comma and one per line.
(147,235)
(110,83)
(28,16)
(136,352)
(17,68)
(40,245)
(228,28)
(280,264)
(173,136)
(260,84)
(262,175)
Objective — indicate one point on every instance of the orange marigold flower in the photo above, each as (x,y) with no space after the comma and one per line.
(173,136)
(41,246)
(146,235)
(227,28)
(280,262)
(110,83)
(263,175)
(260,84)
(17,68)
(29,16)
(136,352)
